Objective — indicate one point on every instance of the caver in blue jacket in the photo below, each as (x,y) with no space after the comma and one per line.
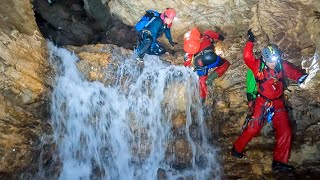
(150,34)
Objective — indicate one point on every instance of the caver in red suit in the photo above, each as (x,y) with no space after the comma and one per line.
(270,82)
(205,58)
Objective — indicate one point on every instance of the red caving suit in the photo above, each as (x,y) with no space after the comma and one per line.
(207,38)
(270,89)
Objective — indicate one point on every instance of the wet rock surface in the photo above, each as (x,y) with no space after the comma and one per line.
(24,87)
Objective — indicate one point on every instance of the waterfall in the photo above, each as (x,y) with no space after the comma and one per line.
(124,131)
(311,65)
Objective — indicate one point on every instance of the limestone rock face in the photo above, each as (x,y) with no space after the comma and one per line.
(287,24)
(80,22)
(24,72)
(100,62)
(290,24)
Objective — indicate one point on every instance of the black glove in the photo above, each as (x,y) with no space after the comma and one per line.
(173,43)
(221,37)
(250,35)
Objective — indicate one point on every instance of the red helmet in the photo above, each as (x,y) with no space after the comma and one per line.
(170,13)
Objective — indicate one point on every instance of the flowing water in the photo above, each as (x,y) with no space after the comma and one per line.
(311,65)
(125,131)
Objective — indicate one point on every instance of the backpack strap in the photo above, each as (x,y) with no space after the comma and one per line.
(262,65)
(279,69)
(203,52)
(150,21)
(260,71)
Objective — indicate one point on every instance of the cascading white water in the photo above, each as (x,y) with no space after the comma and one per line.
(123,131)
(311,65)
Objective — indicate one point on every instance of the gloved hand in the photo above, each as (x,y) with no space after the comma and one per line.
(221,37)
(211,77)
(301,80)
(250,35)
(173,43)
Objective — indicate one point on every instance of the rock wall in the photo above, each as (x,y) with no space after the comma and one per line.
(290,24)
(23,84)
(80,22)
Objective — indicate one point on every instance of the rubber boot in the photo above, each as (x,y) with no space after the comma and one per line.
(203,100)
(235,153)
(279,166)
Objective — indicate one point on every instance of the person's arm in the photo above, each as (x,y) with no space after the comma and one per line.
(167,32)
(248,56)
(291,71)
(219,71)
(222,67)
(187,59)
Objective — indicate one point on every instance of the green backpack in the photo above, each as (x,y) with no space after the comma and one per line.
(251,84)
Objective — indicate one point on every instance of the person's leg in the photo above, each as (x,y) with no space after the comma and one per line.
(282,148)
(157,50)
(203,87)
(253,128)
(222,66)
(144,46)
(283,134)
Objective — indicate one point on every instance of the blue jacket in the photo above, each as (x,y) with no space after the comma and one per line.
(156,29)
